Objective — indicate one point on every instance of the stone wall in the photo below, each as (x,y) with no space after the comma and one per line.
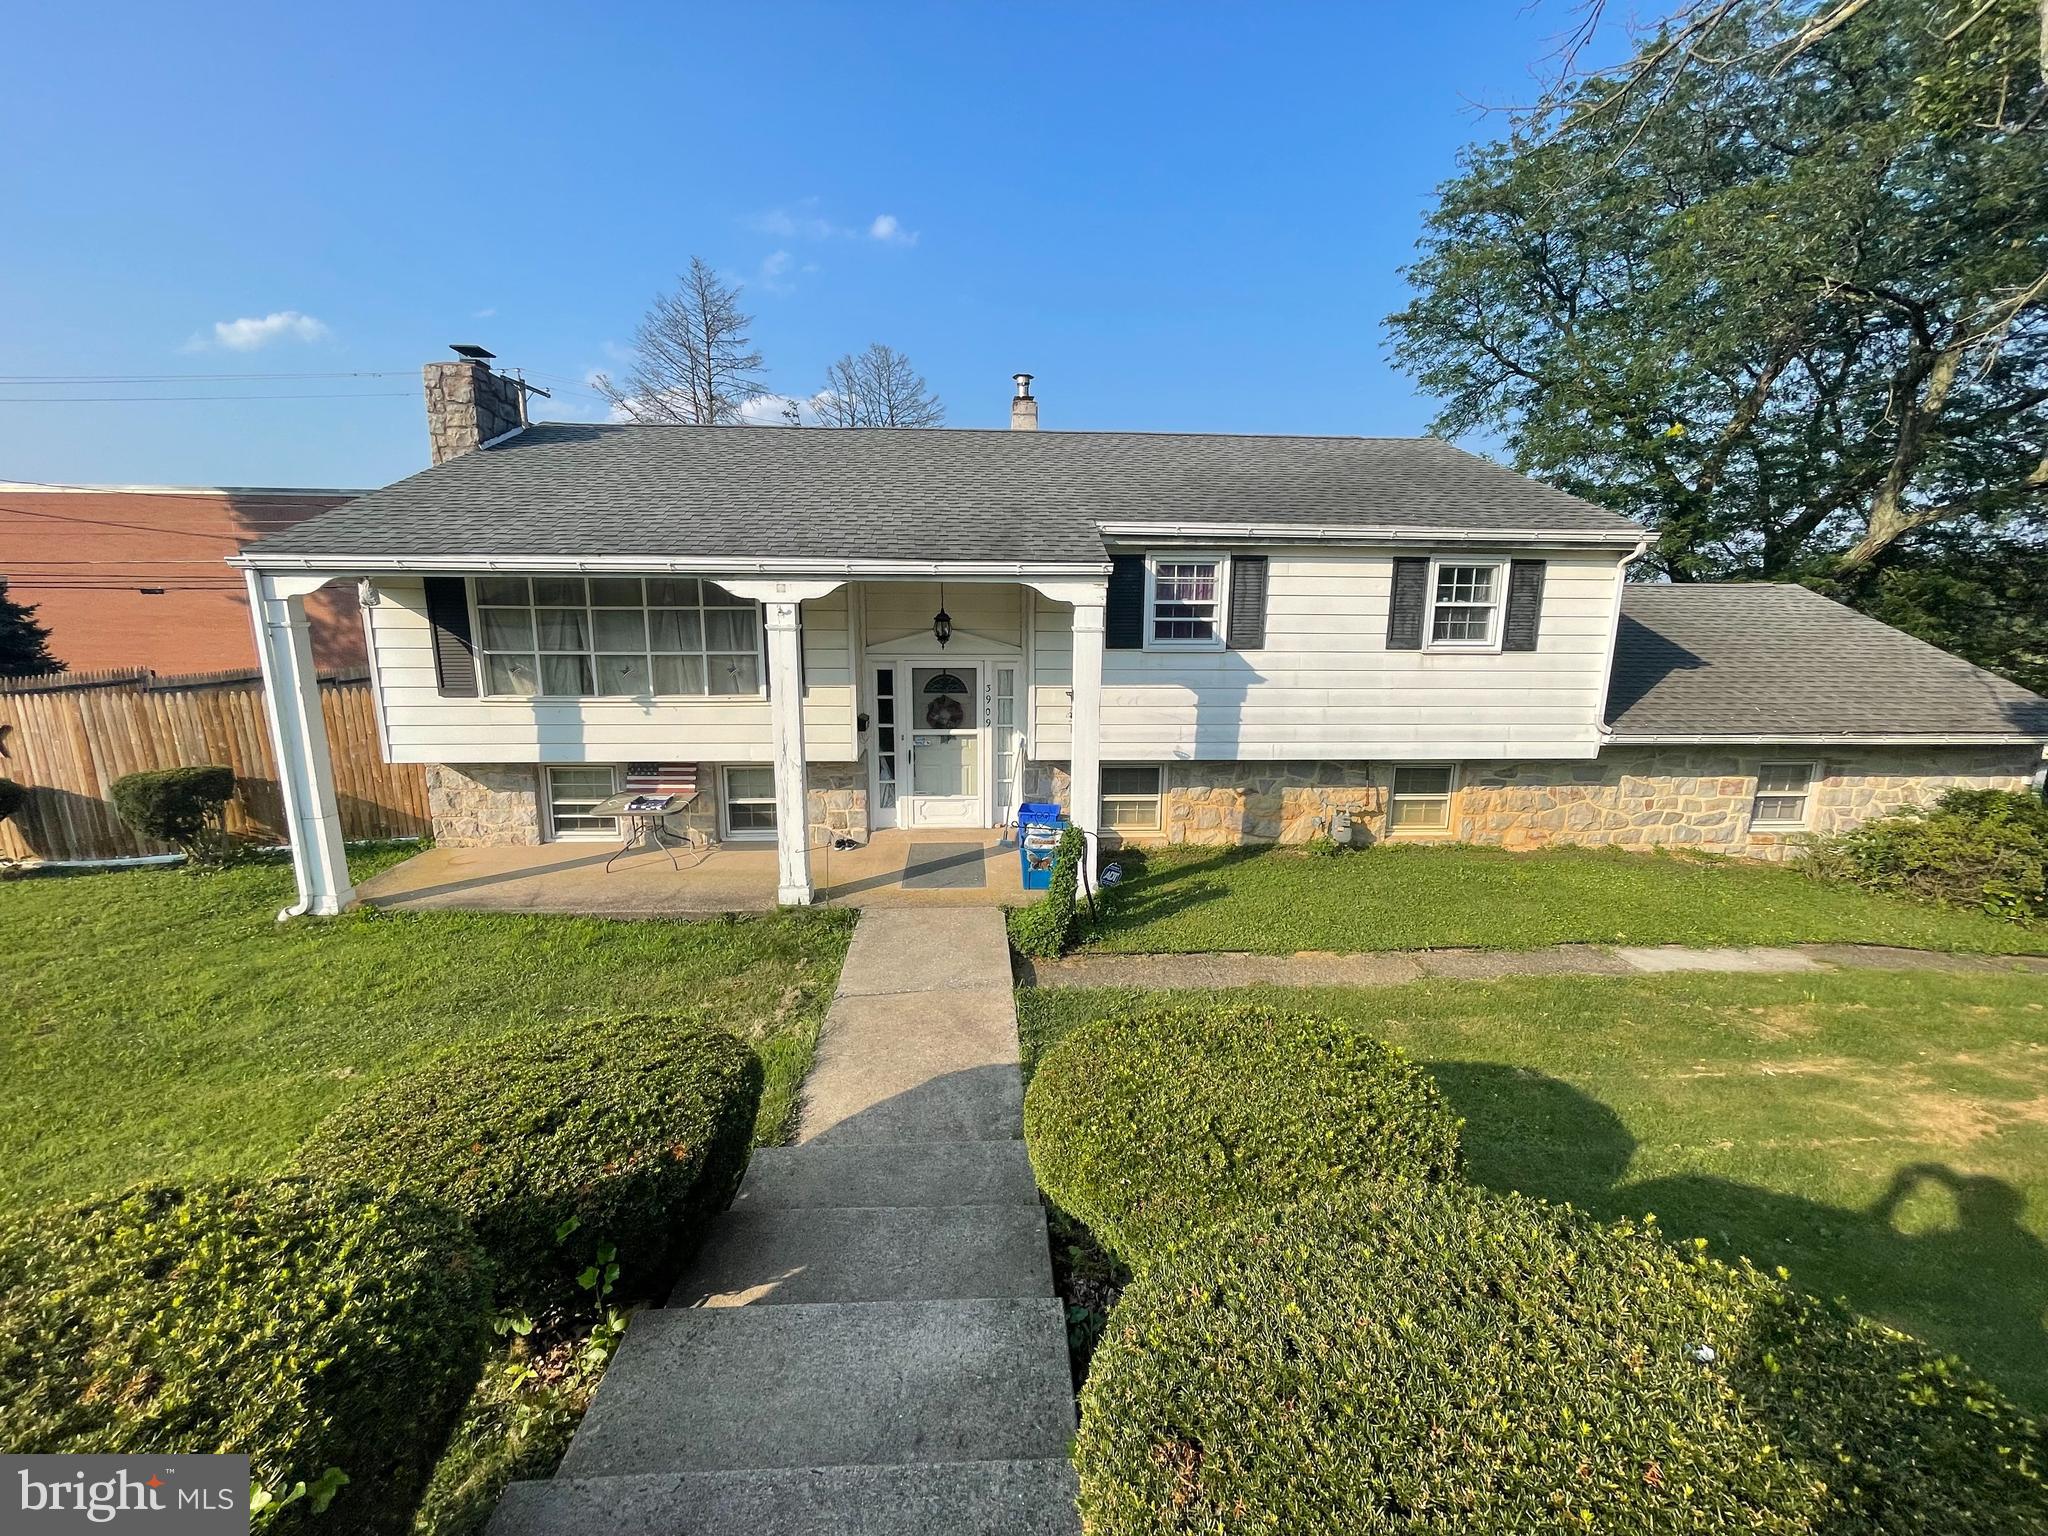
(1699,797)
(467,406)
(1694,797)
(836,799)
(474,804)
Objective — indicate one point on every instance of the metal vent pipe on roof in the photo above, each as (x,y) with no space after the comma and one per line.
(1023,409)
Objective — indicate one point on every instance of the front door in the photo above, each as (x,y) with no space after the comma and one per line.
(940,736)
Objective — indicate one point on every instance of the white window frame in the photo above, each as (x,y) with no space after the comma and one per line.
(1497,621)
(1157,800)
(1153,560)
(547,800)
(1449,798)
(1758,794)
(726,801)
(482,652)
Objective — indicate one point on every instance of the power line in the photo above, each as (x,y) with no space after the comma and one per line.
(179,378)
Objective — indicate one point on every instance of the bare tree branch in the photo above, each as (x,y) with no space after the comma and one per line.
(693,361)
(877,388)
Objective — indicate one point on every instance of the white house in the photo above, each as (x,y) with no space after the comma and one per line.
(1183,637)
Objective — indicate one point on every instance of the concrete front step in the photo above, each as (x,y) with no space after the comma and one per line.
(971,1498)
(869,1253)
(703,1389)
(822,1175)
(919,1066)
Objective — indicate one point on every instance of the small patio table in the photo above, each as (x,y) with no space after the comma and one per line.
(642,816)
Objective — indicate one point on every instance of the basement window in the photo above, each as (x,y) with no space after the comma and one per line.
(1420,801)
(750,802)
(1130,797)
(1784,794)
(571,794)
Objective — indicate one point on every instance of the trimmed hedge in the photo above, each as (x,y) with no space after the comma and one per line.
(1150,1129)
(1418,1358)
(11,797)
(179,806)
(1044,929)
(312,1328)
(635,1129)
(1980,848)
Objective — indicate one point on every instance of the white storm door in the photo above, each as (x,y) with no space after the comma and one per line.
(940,730)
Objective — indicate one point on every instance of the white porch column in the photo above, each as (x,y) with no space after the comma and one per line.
(780,602)
(786,733)
(1085,771)
(298,739)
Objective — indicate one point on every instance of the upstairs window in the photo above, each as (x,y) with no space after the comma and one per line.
(1784,792)
(1184,602)
(1465,603)
(582,637)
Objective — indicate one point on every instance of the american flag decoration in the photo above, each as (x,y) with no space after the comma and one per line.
(661,778)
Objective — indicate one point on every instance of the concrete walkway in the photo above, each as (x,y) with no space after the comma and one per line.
(869,1341)
(1201,971)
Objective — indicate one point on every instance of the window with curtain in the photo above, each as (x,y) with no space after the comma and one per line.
(615,637)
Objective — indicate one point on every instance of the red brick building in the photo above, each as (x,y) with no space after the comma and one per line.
(132,576)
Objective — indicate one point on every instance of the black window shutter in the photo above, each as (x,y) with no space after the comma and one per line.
(1246,630)
(1123,618)
(1408,603)
(1525,605)
(454,655)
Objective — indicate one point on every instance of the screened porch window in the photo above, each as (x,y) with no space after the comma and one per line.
(615,637)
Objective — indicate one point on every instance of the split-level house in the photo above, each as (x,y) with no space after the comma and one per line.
(1182,637)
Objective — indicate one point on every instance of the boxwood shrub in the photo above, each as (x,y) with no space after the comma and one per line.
(311,1328)
(630,1132)
(1044,929)
(1411,1358)
(1150,1128)
(179,806)
(1980,848)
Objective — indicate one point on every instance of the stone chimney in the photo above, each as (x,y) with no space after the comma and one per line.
(1023,409)
(468,404)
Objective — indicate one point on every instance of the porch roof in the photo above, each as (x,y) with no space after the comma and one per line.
(1034,499)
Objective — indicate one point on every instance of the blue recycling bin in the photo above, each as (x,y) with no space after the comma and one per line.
(1039,825)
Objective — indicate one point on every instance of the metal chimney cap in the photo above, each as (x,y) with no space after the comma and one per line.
(1023,382)
(469,352)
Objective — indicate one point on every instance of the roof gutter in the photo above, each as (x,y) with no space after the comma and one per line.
(1820,738)
(993,570)
(1372,533)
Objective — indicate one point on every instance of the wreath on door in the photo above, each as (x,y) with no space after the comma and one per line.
(944,713)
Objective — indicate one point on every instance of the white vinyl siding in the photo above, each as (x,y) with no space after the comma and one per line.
(423,727)
(1784,796)
(1419,799)
(1325,685)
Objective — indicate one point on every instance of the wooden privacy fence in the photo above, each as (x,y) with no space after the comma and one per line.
(66,737)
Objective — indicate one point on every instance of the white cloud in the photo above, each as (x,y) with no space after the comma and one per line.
(800,220)
(889,229)
(251,332)
(774,274)
(773,410)
(481,314)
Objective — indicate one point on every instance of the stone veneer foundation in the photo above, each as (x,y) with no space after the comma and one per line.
(1693,797)
(477,804)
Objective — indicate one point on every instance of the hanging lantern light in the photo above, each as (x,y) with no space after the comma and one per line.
(942,621)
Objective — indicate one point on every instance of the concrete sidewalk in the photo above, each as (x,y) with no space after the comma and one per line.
(1196,972)
(869,1340)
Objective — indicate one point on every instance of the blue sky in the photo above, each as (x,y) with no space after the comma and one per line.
(1180,217)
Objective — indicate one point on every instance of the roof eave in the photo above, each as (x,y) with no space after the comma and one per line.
(1372,533)
(1825,738)
(262,560)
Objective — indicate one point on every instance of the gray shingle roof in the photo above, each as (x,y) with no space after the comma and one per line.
(1782,661)
(560,489)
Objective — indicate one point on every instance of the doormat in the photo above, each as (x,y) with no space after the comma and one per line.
(945,867)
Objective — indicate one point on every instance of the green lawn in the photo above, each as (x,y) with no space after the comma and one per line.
(157,1023)
(1884,1136)
(1279,900)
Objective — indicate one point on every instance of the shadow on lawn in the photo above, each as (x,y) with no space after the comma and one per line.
(1153,889)
(1982,1276)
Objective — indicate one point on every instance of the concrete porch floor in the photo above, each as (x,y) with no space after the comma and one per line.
(729,877)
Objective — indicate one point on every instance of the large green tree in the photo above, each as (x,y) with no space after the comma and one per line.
(1777,288)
